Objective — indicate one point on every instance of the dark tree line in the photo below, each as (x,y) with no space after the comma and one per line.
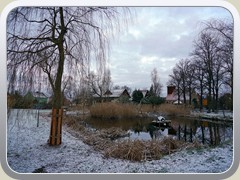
(209,69)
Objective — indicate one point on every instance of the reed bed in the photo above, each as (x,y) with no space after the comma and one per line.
(133,150)
(174,110)
(137,150)
(113,110)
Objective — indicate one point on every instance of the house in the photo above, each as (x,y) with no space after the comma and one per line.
(65,101)
(172,96)
(36,99)
(113,95)
(40,97)
(145,93)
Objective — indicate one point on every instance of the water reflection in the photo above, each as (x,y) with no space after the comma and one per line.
(181,128)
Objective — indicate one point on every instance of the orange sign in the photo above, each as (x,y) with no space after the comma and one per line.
(204,102)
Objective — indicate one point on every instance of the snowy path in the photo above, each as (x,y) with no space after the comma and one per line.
(28,150)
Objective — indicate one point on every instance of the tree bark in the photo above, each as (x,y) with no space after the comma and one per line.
(57,111)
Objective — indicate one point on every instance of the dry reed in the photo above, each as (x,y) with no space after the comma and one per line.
(174,110)
(111,110)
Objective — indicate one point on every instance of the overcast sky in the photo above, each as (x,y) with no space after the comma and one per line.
(159,37)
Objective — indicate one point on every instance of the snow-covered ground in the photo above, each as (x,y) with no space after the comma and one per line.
(27,150)
(220,115)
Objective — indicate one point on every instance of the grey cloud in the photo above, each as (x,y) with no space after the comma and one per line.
(162,35)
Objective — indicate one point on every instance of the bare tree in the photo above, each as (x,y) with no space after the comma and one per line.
(183,66)
(215,49)
(191,84)
(175,79)
(156,85)
(100,82)
(199,79)
(224,29)
(55,41)
(210,65)
(206,49)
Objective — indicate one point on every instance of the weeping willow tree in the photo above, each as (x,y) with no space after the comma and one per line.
(49,42)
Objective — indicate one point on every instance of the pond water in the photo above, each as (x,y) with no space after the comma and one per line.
(183,128)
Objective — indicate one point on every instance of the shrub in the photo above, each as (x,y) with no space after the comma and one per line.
(137,95)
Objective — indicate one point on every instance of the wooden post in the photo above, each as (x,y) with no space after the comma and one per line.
(56,127)
(185,133)
(191,135)
(179,132)
(203,138)
(211,133)
(218,135)
(215,134)
(38,118)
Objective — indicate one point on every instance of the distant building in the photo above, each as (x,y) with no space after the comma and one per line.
(36,100)
(112,95)
(40,97)
(172,96)
(65,101)
(145,93)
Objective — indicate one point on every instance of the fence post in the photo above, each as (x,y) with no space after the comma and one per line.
(191,135)
(211,133)
(179,132)
(203,138)
(185,133)
(38,118)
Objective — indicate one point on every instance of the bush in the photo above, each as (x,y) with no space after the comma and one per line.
(137,96)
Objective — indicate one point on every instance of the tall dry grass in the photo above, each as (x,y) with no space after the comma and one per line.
(138,150)
(174,110)
(113,110)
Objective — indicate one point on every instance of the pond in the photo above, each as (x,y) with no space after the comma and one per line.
(183,128)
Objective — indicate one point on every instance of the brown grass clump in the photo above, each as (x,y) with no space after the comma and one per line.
(111,110)
(113,133)
(174,110)
(73,123)
(130,150)
(144,150)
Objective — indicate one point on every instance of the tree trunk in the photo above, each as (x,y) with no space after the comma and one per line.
(201,97)
(57,111)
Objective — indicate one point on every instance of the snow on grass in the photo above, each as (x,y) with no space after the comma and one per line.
(27,150)
(220,115)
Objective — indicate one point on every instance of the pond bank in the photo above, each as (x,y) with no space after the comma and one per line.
(224,116)
(134,150)
(219,116)
(27,151)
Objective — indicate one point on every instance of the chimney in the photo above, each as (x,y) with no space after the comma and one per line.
(170,89)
